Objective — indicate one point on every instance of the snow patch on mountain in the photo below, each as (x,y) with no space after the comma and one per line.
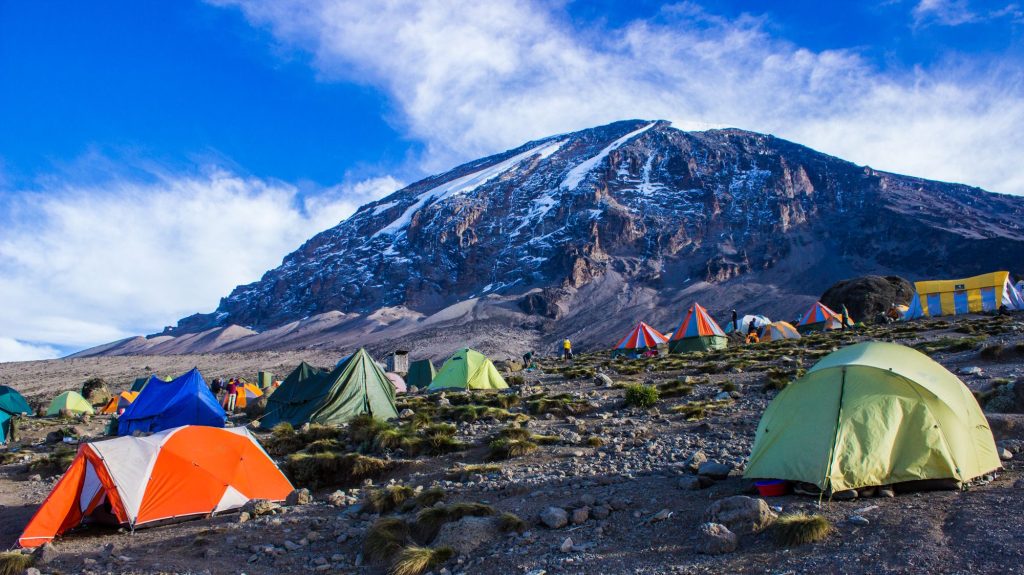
(575,176)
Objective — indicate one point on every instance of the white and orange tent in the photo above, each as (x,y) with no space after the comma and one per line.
(121,401)
(821,318)
(639,339)
(697,332)
(176,474)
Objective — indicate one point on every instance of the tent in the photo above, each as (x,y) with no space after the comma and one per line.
(71,401)
(640,339)
(467,369)
(873,414)
(821,318)
(264,379)
(397,381)
(179,473)
(779,330)
(987,292)
(759,322)
(421,373)
(697,332)
(308,395)
(165,404)
(12,403)
(119,402)
(244,393)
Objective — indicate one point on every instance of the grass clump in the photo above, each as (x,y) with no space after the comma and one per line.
(562,404)
(14,563)
(333,468)
(512,522)
(429,520)
(365,428)
(799,528)
(697,410)
(414,560)
(464,472)
(430,497)
(387,499)
(54,463)
(640,395)
(677,388)
(384,539)
(515,380)
(595,441)
(729,386)
(950,344)
(503,448)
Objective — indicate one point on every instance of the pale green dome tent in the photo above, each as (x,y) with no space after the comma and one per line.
(467,369)
(71,401)
(873,414)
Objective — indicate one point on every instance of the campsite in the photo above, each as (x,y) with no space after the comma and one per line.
(634,483)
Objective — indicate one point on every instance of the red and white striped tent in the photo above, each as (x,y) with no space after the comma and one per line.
(640,338)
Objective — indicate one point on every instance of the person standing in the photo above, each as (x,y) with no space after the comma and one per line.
(735,321)
(232,395)
(566,349)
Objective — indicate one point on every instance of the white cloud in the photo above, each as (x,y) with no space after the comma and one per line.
(469,79)
(86,265)
(945,12)
(14,350)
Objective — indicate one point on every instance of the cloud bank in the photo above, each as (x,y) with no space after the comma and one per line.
(86,265)
(470,79)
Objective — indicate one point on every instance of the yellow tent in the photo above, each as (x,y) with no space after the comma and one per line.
(779,330)
(873,414)
(986,292)
(71,401)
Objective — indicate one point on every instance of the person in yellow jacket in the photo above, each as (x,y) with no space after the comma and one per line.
(566,349)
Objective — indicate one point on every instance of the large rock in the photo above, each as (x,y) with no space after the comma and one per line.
(258,507)
(468,534)
(741,514)
(554,517)
(714,470)
(255,408)
(299,497)
(716,539)
(868,296)
(95,391)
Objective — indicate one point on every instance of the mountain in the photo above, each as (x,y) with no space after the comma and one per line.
(583,234)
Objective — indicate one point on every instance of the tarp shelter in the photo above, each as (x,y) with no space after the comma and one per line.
(987,292)
(779,330)
(162,405)
(71,401)
(759,322)
(356,387)
(821,318)
(119,402)
(467,369)
(873,414)
(12,403)
(177,474)
(421,373)
(397,381)
(264,379)
(697,332)
(640,339)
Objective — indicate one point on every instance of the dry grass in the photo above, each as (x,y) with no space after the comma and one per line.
(14,563)
(595,441)
(697,410)
(677,388)
(508,448)
(54,463)
(800,528)
(414,560)
(385,538)
(332,468)
(464,472)
(512,522)
(387,499)
(430,497)
(430,520)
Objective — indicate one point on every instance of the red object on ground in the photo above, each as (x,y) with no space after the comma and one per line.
(772,488)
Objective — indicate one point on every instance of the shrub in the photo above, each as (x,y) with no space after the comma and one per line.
(639,395)
(800,528)
(462,473)
(414,560)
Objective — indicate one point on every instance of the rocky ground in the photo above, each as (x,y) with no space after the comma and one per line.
(596,485)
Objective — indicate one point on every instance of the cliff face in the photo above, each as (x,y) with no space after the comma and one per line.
(626,208)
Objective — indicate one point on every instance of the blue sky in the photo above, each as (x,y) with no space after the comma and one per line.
(178,139)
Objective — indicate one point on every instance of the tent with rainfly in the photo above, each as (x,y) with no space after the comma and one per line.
(308,395)
(119,402)
(179,473)
(640,339)
(744,322)
(243,395)
(465,370)
(873,414)
(421,373)
(162,405)
(987,292)
(71,401)
(697,332)
(820,318)
(778,330)
(12,404)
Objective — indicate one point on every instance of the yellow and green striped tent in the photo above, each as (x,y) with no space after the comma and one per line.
(986,292)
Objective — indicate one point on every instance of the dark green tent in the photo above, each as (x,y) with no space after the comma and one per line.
(421,373)
(264,379)
(309,395)
(11,403)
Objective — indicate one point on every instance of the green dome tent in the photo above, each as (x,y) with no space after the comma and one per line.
(468,369)
(873,414)
(12,403)
(71,401)
(309,395)
(421,373)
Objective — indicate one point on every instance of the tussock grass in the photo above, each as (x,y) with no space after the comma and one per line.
(14,563)
(365,428)
(387,499)
(414,560)
(285,439)
(595,441)
(799,528)
(512,522)
(384,539)
(54,463)
(429,521)
(562,404)
(950,344)
(430,497)
(502,448)
(464,472)
(677,388)
(643,396)
(728,386)
(333,468)
(545,439)
(697,410)
(515,380)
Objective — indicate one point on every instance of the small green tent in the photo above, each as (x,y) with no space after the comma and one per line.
(71,401)
(139,383)
(421,373)
(309,395)
(264,379)
(873,414)
(11,403)
(468,369)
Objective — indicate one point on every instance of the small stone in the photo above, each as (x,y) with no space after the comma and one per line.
(603,380)
(858,520)
(32,571)
(35,477)
(971,370)
(1005,454)
(689,483)
(554,517)
(741,514)
(406,413)
(660,516)
(580,515)
(714,470)
(619,504)
(845,495)
(588,500)
(337,499)
(886,491)
(45,553)
(259,507)
(694,462)
(299,497)
(601,512)
(566,545)
(716,539)
(243,517)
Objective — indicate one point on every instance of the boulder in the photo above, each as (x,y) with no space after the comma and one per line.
(689,483)
(741,514)
(554,517)
(258,507)
(603,380)
(580,516)
(95,391)
(255,408)
(694,462)
(45,554)
(867,297)
(299,497)
(714,470)
(468,534)
(716,539)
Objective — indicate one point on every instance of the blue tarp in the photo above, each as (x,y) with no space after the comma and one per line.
(162,405)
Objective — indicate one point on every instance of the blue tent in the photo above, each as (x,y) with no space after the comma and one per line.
(166,404)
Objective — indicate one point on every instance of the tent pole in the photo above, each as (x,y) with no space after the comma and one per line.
(835,438)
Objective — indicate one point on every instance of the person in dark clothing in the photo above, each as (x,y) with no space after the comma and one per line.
(527,359)
(216,386)
(735,321)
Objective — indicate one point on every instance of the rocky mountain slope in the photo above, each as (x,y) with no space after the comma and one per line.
(584,234)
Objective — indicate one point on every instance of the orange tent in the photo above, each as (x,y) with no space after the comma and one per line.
(175,474)
(122,401)
(244,393)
